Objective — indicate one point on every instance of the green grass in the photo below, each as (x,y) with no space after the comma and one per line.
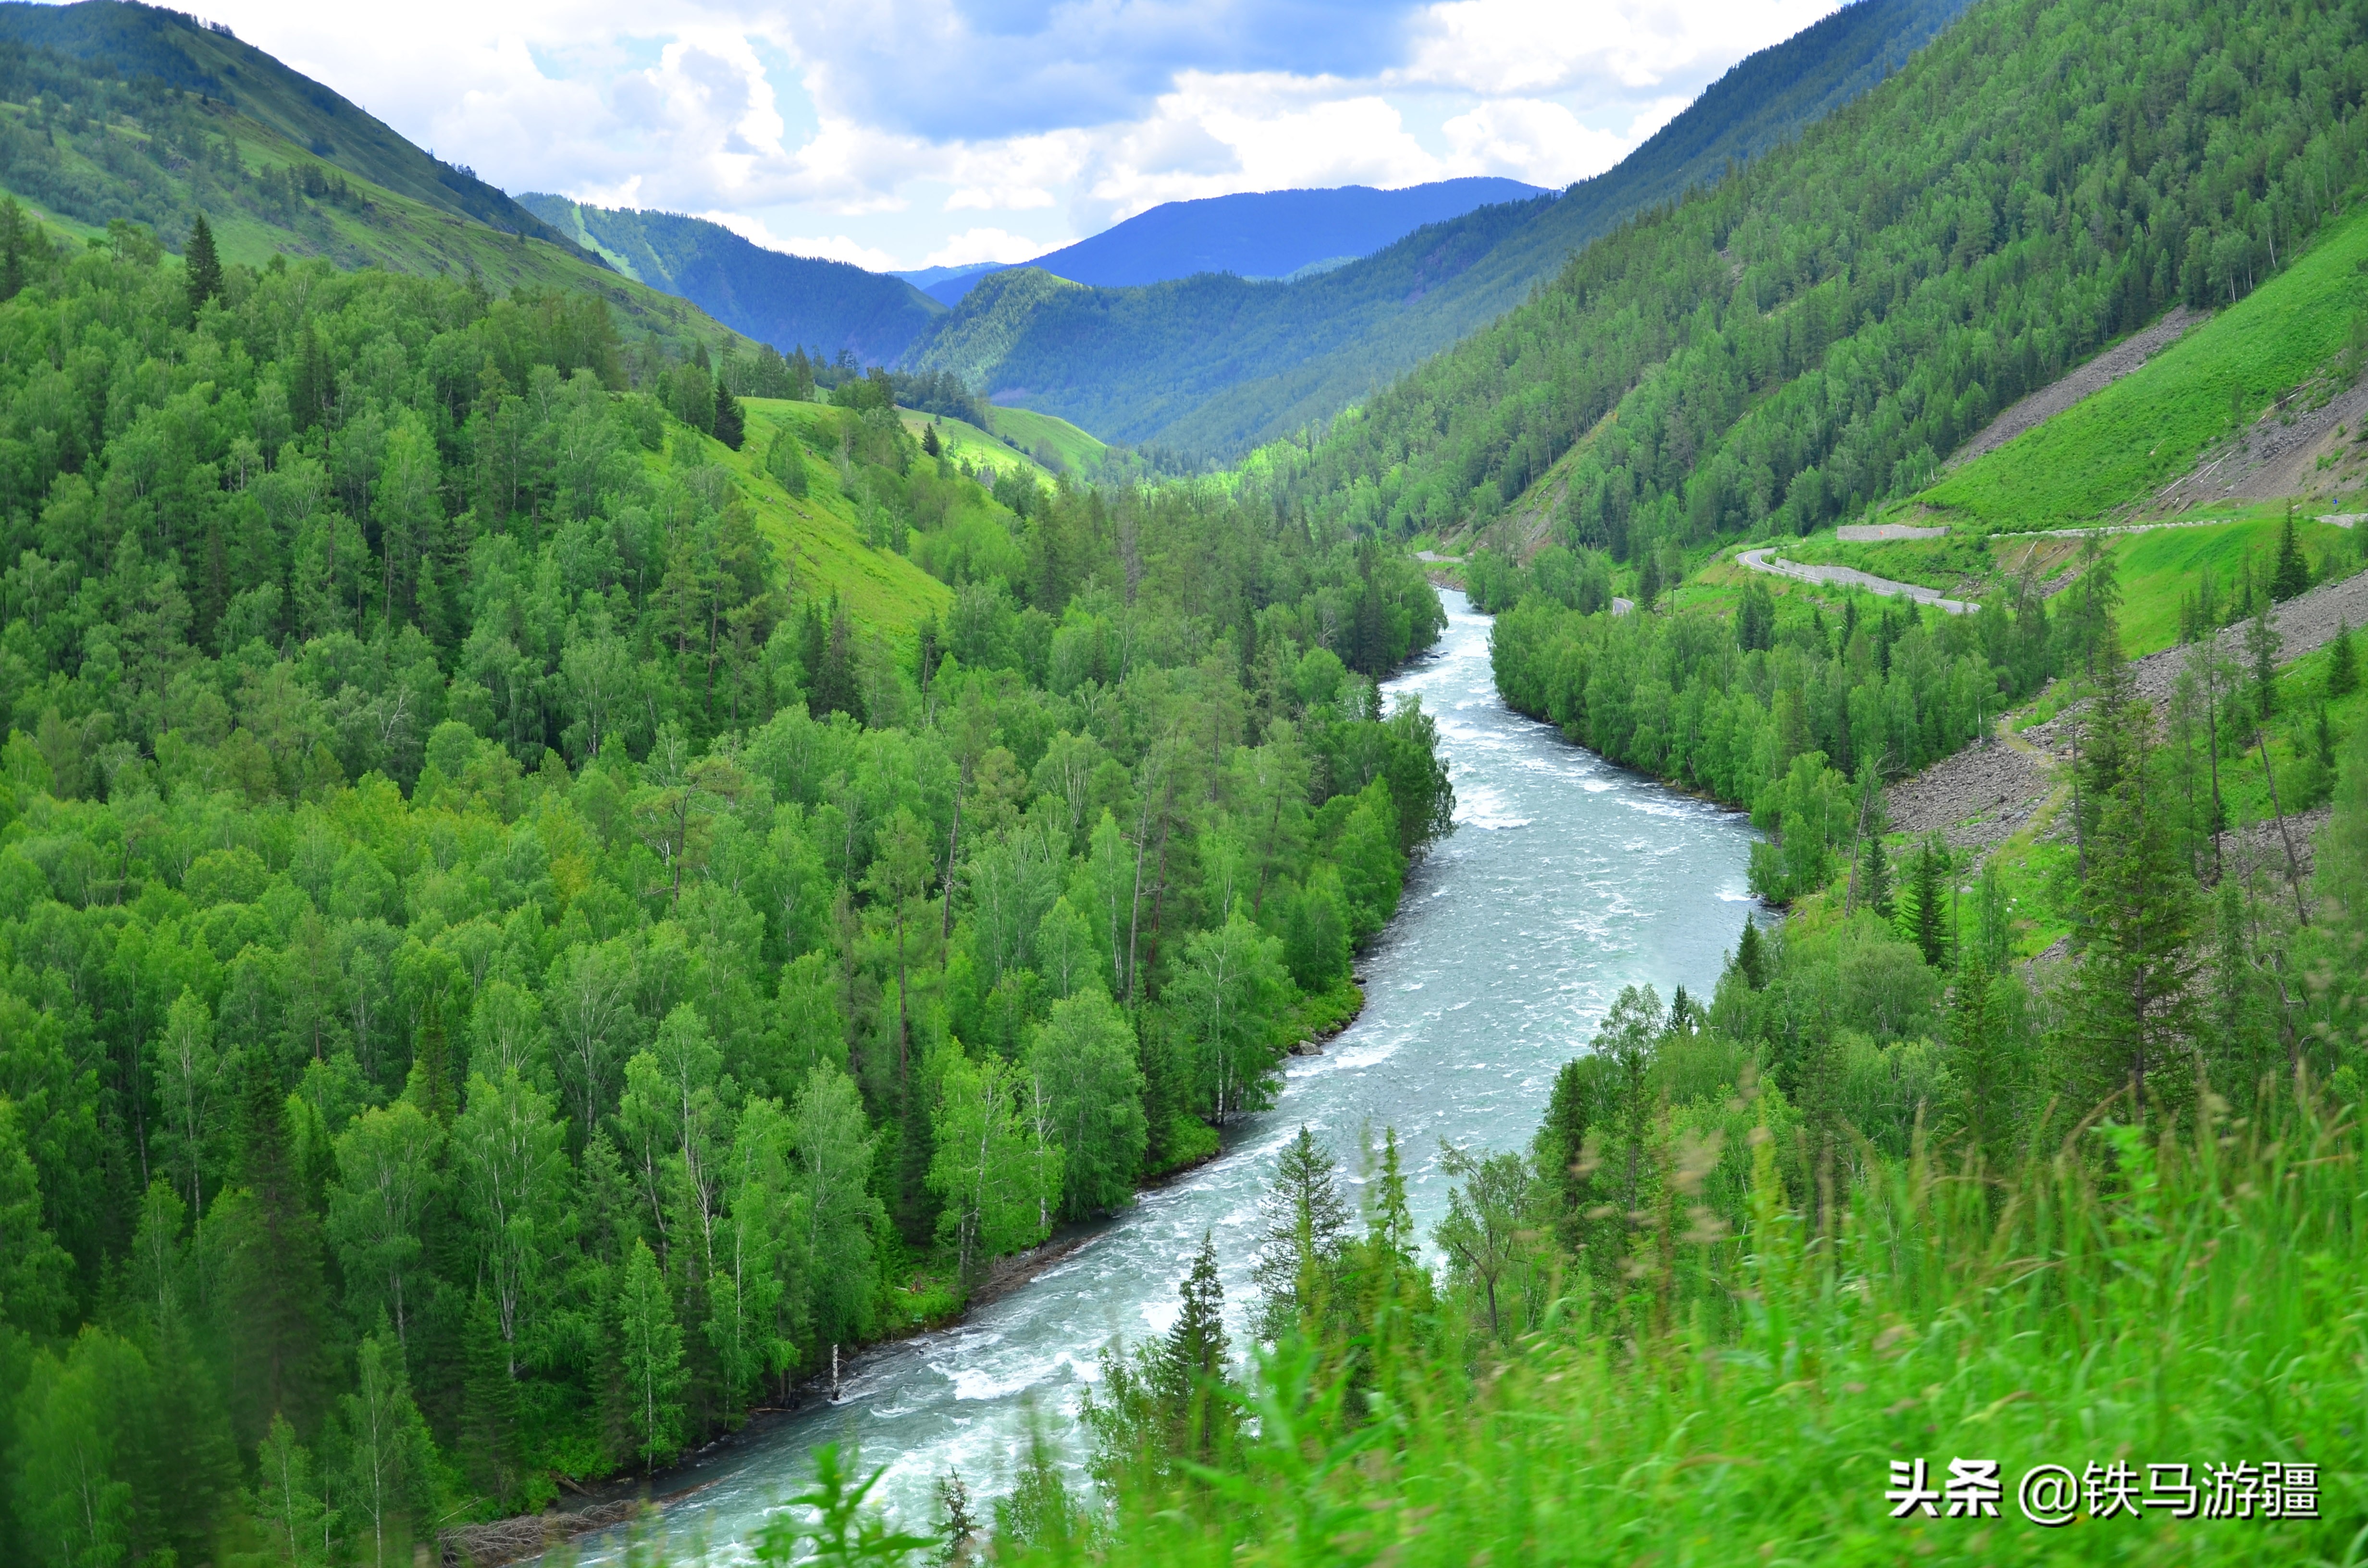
(2159,569)
(2147,428)
(965,442)
(2203,1303)
(1052,441)
(819,536)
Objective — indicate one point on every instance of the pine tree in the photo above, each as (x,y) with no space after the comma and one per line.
(2131,1020)
(731,419)
(1196,1350)
(2263,642)
(2291,575)
(1304,1230)
(650,1345)
(930,445)
(15,234)
(1751,956)
(490,1406)
(833,688)
(201,266)
(2240,1047)
(1986,1080)
(276,1276)
(1874,876)
(2342,663)
(1927,912)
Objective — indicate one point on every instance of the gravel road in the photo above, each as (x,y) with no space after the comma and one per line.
(1847,576)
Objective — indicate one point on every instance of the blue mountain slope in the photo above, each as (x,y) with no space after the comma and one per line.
(789,301)
(1264,233)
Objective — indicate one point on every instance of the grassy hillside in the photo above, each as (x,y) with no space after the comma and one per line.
(2148,427)
(789,301)
(1215,365)
(124,112)
(821,534)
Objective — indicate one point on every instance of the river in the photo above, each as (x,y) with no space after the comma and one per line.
(1566,879)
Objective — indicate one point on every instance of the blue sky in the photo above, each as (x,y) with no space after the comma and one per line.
(901,133)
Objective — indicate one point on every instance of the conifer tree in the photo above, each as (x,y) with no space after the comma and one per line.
(930,445)
(650,1345)
(1874,876)
(201,265)
(14,236)
(2239,1046)
(2342,663)
(2131,1020)
(2263,643)
(1196,1350)
(1304,1230)
(1927,912)
(2291,575)
(731,419)
(490,1405)
(276,1275)
(1751,956)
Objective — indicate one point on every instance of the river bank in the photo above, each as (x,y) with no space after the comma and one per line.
(1566,879)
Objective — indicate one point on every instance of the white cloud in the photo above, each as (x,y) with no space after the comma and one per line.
(830,247)
(909,128)
(988,245)
(1497,48)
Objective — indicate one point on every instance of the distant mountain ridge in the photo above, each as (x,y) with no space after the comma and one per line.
(1255,234)
(789,301)
(1215,365)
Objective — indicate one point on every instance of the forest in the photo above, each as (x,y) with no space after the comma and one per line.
(502,969)
(1819,332)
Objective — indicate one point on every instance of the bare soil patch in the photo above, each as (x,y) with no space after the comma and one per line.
(2093,377)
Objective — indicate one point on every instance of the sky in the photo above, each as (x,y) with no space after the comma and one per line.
(909,134)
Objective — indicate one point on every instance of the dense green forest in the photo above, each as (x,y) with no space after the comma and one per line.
(1820,331)
(1210,366)
(502,966)
(790,301)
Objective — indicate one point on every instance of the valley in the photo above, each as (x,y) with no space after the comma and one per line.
(1464,873)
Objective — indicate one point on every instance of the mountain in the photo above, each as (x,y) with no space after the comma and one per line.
(114,111)
(1218,364)
(142,43)
(1264,233)
(1818,331)
(923,277)
(789,301)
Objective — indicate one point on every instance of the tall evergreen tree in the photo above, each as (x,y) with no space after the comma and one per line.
(2343,663)
(731,419)
(1926,915)
(2131,1021)
(201,267)
(1196,1349)
(1302,1233)
(2291,576)
(275,1282)
(650,1345)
